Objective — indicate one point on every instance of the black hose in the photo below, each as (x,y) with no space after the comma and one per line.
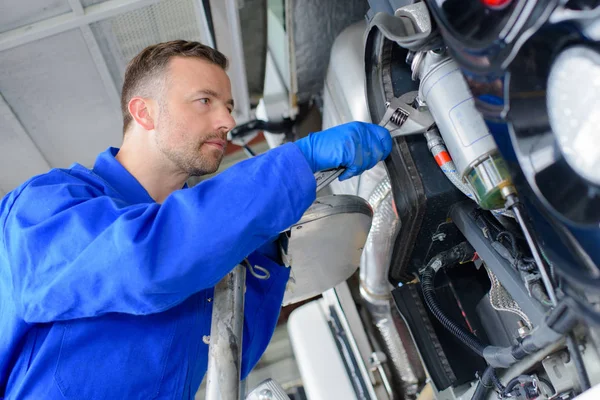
(427,286)
(259,125)
(487,381)
(573,348)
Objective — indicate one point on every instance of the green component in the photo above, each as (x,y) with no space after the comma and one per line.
(487,180)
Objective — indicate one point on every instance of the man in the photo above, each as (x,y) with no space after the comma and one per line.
(106,275)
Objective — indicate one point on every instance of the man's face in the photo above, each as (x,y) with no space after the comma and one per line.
(194,115)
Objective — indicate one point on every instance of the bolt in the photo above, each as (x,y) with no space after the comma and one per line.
(265,394)
(206,339)
(523,329)
(209,299)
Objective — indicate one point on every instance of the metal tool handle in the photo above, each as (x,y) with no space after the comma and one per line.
(324,178)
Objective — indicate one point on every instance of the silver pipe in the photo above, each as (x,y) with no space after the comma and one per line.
(375,290)
(225,351)
(377,254)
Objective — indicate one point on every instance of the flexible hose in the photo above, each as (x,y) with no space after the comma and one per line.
(427,286)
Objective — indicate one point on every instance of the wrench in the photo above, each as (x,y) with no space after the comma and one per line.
(400,119)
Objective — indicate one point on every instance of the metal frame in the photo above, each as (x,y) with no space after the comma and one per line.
(66,22)
(201,17)
(98,58)
(225,351)
(226,22)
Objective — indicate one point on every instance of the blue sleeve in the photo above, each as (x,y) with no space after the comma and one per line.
(261,309)
(76,253)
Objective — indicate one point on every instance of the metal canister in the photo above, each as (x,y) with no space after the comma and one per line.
(444,90)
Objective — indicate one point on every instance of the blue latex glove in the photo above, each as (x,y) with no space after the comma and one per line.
(357,146)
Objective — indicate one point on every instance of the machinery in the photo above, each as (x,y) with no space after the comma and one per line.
(479,277)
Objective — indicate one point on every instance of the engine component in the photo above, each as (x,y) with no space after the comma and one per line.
(458,254)
(464,216)
(421,192)
(448,361)
(472,147)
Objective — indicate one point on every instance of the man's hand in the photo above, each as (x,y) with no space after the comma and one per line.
(357,146)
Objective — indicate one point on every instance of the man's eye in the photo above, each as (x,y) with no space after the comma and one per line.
(204,101)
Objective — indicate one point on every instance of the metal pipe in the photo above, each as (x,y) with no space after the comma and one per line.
(375,290)
(376,257)
(225,351)
(535,250)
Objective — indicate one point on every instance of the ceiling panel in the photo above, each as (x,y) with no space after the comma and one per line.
(20,159)
(17,13)
(54,89)
(122,37)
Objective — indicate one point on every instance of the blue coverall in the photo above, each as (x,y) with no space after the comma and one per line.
(105,294)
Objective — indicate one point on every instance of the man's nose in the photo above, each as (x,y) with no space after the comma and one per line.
(225,120)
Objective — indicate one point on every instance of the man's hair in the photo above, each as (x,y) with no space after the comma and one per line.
(144,71)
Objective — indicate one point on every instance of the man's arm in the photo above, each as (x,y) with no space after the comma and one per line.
(74,253)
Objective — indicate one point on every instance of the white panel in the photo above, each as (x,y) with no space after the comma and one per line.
(19,157)
(323,372)
(55,90)
(17,13)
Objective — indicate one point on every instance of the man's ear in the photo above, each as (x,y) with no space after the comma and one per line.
(139,108)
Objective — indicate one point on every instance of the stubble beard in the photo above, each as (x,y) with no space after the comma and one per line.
(190,158)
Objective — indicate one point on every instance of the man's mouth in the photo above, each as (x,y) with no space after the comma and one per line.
(218,143)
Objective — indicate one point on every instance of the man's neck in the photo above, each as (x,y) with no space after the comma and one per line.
(151,168)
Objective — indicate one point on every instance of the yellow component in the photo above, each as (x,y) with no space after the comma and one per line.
(490,181)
